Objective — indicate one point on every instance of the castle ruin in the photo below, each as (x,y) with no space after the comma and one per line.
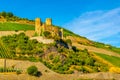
(40,28)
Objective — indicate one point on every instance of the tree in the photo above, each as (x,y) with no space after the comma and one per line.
(9,14)
(3,14)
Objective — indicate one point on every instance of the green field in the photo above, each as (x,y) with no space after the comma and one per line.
(7,26)
(114,60)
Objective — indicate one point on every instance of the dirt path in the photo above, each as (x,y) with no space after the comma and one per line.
(29,33)
(43,40)
(49,75)
(94,49)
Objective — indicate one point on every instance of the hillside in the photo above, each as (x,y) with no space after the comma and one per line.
(69,56)
(48,74)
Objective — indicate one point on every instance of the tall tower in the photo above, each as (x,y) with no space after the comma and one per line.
(48,21)
(38,26)
(61,35)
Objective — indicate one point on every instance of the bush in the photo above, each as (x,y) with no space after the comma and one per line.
(56,59)
(51,57)
(33,70)
(18,72)
(47,34)
(33,59)
(68,41)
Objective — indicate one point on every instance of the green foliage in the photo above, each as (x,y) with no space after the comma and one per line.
(68,41)
(106,46)
(47,34)
(32,70)
(35,34)
(81,60)
(89,61)
(112,59)
(56,59)
(3,14)
(33,59)
(6,14)
(62,43)
(7,26)
(9,70)
(18,72)
(21,45)
(51,57)
(4,51)
(115,49)
(10,14)
(65,60)
(74,49)
(11,17)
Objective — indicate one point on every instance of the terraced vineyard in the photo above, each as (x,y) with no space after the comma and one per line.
(4,52)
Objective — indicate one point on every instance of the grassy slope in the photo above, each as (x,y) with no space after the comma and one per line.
(112,59)
(15,26)
(7,26)
(84,41)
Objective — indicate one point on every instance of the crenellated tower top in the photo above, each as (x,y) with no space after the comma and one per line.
(48,21)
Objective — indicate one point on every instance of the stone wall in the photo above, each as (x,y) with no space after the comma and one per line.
(29,33)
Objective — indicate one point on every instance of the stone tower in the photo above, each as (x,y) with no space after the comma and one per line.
(48,21)
(38,26)
(61,30)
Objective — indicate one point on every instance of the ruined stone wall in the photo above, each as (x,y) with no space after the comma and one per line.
(47,26)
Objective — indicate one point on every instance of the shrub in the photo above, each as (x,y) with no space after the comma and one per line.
(68,41)
(74,49)
(51,57)
(32,59)
(16,30)
(32,70)
(70,72)
(56,59)
(18,72)
(1,70)
(47,34)
(35,34)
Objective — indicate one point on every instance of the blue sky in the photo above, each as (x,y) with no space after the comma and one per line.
(98,20)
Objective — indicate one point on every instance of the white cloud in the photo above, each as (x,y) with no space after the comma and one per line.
(97,25)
